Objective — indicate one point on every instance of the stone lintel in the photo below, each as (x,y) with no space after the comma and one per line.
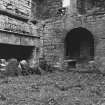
(14,39)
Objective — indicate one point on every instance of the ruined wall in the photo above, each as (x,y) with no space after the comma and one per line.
(16,29)
(55,31)
(86,6)
(45,9)
(53,41)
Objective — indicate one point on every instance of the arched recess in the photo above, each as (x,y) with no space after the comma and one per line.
(79,44)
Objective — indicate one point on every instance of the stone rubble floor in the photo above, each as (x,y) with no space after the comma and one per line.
(59,88)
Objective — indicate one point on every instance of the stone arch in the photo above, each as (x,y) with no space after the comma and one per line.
(79,44)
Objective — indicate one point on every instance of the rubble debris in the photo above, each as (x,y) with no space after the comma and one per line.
(52,101)
(25,67)
(37,70)
(3,65)
(2,97)
(101,65)
(35,88)
(92,65)
(45,66)
(97,65)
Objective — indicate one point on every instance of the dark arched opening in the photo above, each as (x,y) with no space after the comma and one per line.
(79,44)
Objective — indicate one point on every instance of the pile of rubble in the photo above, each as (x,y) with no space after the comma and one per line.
(93,66)
(13,67)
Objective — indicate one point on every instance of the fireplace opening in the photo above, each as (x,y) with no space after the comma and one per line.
(79,45)
(19,52)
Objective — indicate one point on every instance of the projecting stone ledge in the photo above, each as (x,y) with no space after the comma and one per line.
(14,39)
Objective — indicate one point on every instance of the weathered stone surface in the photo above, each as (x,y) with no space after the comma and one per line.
(12,68)
(55,30)
(46,9)
(9,38)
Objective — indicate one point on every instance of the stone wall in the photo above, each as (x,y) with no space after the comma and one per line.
(55,30)
(44,9)
(53,45)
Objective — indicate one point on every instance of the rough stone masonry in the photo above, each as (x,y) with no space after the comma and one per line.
(77,34)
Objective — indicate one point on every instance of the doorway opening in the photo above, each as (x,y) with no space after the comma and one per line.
(79,45)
